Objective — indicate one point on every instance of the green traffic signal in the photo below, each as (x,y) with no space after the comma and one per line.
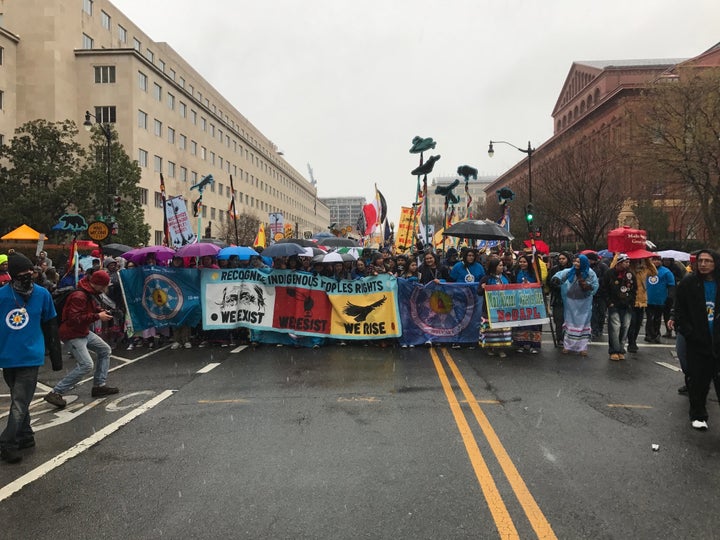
(529,213)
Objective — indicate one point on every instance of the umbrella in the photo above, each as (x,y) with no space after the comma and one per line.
(199,249)
(298,241)
(335,241)
(115,250)
(214,241)
(605,254)
(586,251)
(243,253)
(323,234)
(331,257)
(640,254)
(162,254)
(540,246)
(86,244)
(354,251)
(311,252)
(284,249)
(478,229)
(674,254)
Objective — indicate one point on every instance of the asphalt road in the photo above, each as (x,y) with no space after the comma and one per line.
(369,442)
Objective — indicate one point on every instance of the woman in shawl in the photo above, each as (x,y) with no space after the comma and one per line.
(494,340)
(577,284)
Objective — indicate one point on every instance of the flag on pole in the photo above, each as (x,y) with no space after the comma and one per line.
(375,213)
(231,206)
(260,240)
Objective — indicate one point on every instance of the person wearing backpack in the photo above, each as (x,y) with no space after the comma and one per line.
(80,311)
(28,328)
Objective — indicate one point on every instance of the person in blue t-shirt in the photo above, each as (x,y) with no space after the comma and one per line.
(468,269)
(659,288)
(28,324)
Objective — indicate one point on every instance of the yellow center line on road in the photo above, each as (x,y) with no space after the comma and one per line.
(503,521)
(537,519)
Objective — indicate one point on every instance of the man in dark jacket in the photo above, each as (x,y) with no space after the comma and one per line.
(696,300)
(30,326)
(82,310)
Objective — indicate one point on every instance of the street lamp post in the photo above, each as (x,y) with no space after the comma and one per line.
(529,151)
(88,124)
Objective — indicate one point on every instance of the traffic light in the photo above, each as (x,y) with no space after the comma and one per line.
(116,203)
(529,213)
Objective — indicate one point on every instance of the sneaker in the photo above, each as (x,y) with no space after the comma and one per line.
(428,343)
(151,344)
(203,344)
(615,357)
(534,351)
(130,347)
(455,345)
(188,345)
(502,354)
(633,348)
(521,350)
(175,346)
(101,391)
(10,456)
(699,424)
(53,398)
(683,390)
(403,346)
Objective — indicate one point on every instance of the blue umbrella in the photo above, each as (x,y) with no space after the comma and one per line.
(605,254)
(243,253)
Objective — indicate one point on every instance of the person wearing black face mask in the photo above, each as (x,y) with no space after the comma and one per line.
(28,324)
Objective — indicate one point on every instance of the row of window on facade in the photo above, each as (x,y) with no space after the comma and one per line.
(578,110)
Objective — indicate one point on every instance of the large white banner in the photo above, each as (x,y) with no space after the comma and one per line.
(179,225)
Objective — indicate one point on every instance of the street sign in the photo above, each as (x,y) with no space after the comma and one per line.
(98,231)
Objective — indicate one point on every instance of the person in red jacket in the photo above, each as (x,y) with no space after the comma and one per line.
(80,311)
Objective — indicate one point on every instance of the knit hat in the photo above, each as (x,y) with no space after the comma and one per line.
(100,278)
(108,261)
(18,263)
(3,258)
(622,257)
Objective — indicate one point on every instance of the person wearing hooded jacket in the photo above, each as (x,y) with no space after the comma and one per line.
(697,297)
(28,331)
(80,311)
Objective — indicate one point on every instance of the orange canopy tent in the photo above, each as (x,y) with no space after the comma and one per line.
(24,232)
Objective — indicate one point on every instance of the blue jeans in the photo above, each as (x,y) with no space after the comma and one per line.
(80,348)
(22,382)
(619,319)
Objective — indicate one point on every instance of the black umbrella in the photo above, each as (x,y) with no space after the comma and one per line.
(298,241)
(336,241)
(115,250)
(282,249)
(478,229)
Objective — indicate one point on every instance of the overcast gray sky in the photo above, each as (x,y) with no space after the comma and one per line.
(345,86)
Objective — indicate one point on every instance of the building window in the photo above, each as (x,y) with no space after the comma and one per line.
(2,139)
(183,174)
(193,177)
(142,119)
(122,34)
(158,128)
(157,91)
(142,81)
(171,73)
(142,159)
(183,110)
(193,148)
(193,117)
(170,101)
(203,153)
(150,56)
(104,74)
(87,42)
(143,196)
(171,135)
(2,100)
(183,142)
(159,237)
(105,20)
(106,115)
(171,169)
(212,158)
(158,200)
(136,44)
(157,163)
(190,89)
(161,65)
(87,6)
(203,123)
(182,82)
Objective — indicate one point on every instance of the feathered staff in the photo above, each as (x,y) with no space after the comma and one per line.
(197,205)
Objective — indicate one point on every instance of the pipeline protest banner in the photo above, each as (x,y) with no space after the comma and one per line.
(179,225)
(300,303)
(517,304)
(158,297)
(439,312)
